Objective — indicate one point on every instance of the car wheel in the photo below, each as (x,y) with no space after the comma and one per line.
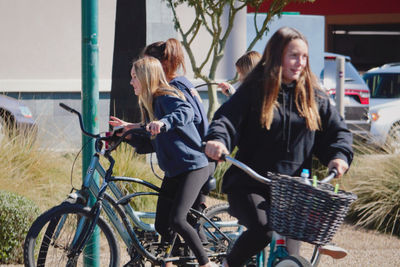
(393,140)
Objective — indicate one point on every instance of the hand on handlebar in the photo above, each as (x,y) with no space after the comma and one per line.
(215,149)
(116,122)
(340,165)
(226,88)
(155,127)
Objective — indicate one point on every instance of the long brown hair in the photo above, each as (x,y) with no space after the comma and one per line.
(169,53)
(270,69)
(152,79)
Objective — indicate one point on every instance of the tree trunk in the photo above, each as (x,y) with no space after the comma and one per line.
(129,41)
(213,103)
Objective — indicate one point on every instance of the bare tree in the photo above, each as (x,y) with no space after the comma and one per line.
(209,15)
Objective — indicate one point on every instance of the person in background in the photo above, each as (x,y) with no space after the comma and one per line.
(243,67)
(178,150)
(279,118)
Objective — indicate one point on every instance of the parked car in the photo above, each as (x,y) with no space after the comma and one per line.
(14,116)
(384,83)
(357,93)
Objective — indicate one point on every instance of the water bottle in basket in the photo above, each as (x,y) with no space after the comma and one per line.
(305,174)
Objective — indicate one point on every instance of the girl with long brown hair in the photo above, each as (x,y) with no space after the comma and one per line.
(279,119)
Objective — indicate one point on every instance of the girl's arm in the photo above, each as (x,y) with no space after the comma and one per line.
(228,118)
(333,144)
(172,111)
(141,144)
(115,122)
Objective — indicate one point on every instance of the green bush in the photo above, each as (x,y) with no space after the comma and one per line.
(16,216)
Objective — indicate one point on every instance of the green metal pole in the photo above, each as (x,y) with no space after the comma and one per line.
(90,99)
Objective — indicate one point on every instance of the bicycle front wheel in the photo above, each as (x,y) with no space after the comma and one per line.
(52,237)
(293,261)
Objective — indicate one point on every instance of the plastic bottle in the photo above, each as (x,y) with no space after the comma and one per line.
(305,174)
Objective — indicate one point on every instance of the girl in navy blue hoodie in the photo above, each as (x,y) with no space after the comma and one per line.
(178,150)
(170,54)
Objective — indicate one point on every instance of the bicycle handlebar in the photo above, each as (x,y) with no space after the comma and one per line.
(141,131)
(69,109)
(246,169)
(332,173)
(117,139)
(204,84)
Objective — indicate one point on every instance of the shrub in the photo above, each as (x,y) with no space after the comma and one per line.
(16,216)
(375,179)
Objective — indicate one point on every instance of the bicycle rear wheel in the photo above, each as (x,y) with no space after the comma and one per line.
(50,239)
(227,224)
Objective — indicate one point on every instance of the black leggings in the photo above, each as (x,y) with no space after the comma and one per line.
(183,190)
(251,210)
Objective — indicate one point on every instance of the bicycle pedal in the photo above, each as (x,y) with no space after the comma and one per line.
(333,251)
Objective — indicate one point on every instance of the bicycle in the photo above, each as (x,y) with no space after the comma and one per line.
(60,235)
(324,208)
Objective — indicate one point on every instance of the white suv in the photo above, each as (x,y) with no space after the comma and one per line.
(356,94)
(384,83)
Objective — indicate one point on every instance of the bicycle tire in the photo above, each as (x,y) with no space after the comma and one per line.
(219,214)
(48,240)
(293,261)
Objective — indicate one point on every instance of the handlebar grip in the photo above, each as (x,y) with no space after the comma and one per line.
(203,146)
(223,156)
(332,174)
(67,108)
(333,171)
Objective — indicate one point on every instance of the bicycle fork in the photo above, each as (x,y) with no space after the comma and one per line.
(84,231)
(277,249)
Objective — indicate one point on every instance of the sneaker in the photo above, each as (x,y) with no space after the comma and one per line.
(333,251)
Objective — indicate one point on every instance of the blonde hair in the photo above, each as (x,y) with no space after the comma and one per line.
(152,79)
(270,69)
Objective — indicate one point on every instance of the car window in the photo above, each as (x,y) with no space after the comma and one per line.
(383,85)
(329,74)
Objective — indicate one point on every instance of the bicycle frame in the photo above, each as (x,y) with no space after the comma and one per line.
(111,207)
(118,216)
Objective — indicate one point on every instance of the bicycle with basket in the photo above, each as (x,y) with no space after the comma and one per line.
(301,211)
(77,232)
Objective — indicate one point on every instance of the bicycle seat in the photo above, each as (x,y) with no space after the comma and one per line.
(334,251)
(210,185)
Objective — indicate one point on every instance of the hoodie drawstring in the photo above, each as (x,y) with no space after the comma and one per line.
(289,122)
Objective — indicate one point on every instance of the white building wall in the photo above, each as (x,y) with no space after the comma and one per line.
(41,45)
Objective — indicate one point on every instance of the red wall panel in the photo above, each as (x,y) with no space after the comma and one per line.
(339,7)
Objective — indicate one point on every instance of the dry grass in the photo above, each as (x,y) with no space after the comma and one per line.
(36,173)
(375,179)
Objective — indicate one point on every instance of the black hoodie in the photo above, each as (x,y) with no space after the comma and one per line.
(287,147)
